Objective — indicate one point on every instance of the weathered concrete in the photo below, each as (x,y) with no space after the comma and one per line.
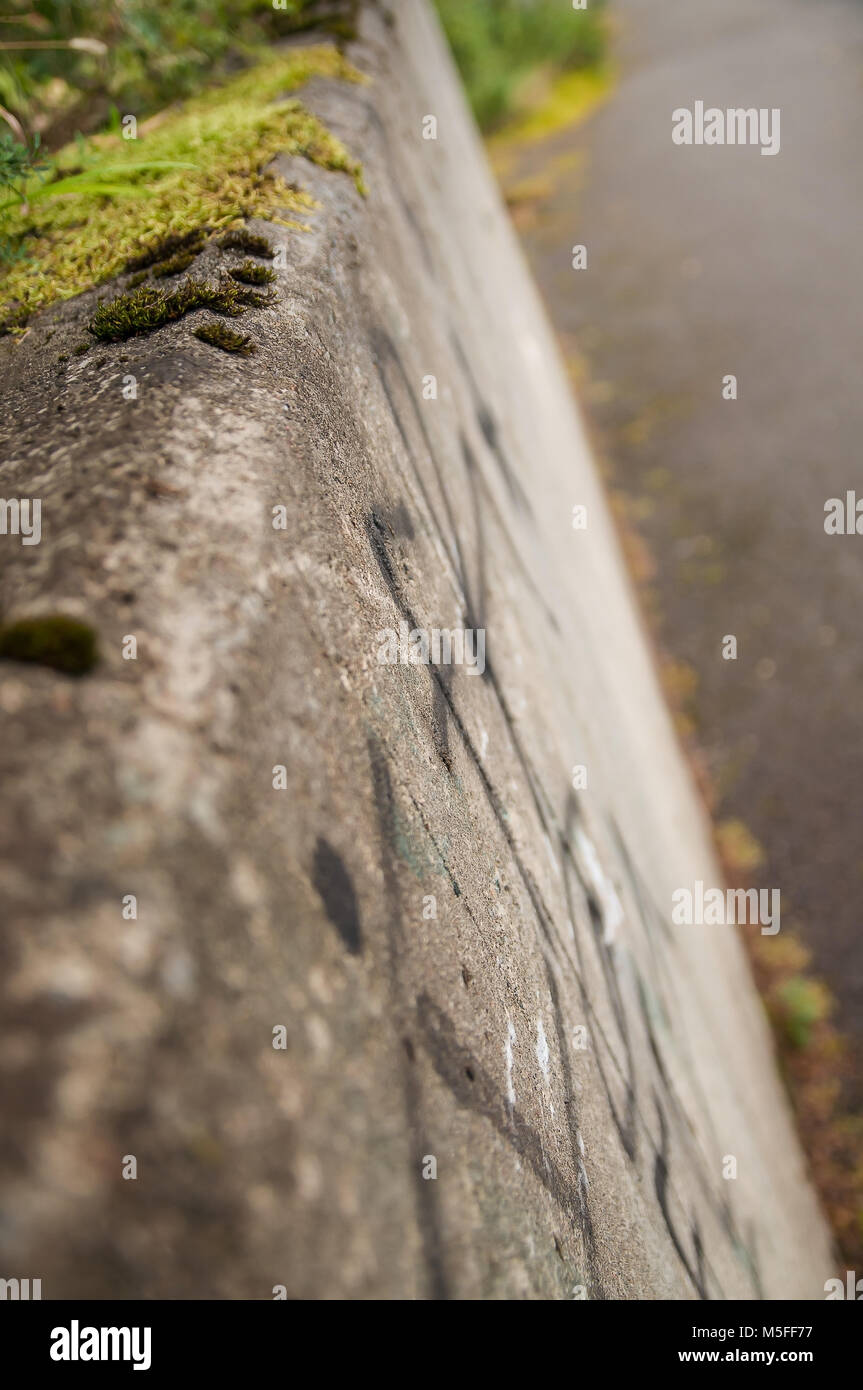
(408,1036)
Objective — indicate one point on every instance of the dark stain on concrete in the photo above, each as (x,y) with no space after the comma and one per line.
(333,882)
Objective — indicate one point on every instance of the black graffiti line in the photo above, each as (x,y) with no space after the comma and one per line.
(542,914)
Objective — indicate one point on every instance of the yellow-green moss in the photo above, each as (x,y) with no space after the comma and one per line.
(54,640)
(569,99)
(199,165)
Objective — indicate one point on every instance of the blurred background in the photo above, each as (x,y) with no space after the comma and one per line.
(704,262)
(701,262)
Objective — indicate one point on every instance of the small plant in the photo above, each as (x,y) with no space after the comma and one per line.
(56,641)
(220,336)
(242,240)
(250,274)
(18,164)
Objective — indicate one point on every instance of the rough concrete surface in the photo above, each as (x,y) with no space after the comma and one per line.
(561,1168)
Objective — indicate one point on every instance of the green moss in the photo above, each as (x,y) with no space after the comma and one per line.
(56,641)
(220,336)
(250,274)
(167,247)
(243,240)
(199,166)
(80,348)
(174,266)
(148,308)
(171,255)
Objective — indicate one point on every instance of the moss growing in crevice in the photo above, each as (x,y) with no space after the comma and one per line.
(170,256)
(62,643)
(204,166)
(168,246)
(148,307)
(250,274)
(175,265)
(240,239)
(220,336)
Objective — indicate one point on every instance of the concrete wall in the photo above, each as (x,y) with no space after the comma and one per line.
(561,1167)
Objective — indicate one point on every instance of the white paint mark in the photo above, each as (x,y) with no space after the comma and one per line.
(530,348)
(551,855)
(610,904)
(542,1054)
(483,744)
(510,1039)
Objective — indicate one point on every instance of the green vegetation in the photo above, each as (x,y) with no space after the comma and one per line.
(148,308)
(220,336)
(204,169)
(18,167)
(799,1004)
(250,274)
(56,641)
(68,65)
(500,45)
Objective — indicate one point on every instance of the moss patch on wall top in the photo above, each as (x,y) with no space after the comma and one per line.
(52,640)
(200,164)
